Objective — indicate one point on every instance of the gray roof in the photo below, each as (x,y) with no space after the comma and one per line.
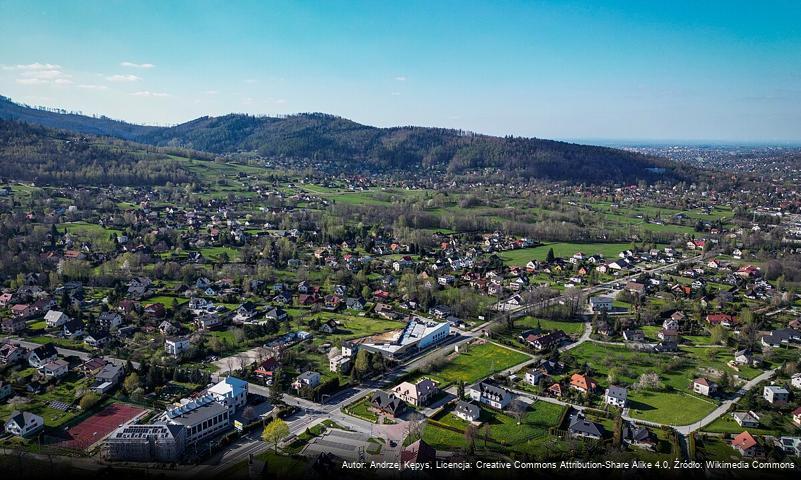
(617,392)
(199,414)
(579,424)
(468,408)
(490,390)
(21,418)
(109,371)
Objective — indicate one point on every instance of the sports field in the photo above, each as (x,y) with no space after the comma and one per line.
(100,425)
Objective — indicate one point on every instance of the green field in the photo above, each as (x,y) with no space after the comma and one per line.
(504,432)
(522,256)
(570,328)
(479,362)
(673,408)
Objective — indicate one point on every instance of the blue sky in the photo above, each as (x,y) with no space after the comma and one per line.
(552,69)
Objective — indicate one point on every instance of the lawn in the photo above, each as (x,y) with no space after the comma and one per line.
(361,409)
(673,408)
(504,431)
(570,328)
(478,362)
(675,404)
(65,392)
(522,256)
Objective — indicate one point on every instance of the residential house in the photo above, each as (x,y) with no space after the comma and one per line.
(55,369)
(580,427)
(42,354)
(533,377)
(545,341)
(633,336)
(11,354)
(599,304)
(795,380)
(616,396)
(775,395)
(783,336)
(417,394)
(99,339)
(704,387)
(746,419)
(278,314)
(231,392)
(23,424)
(176,346)
(330,326)
(14,324)
(746,444)
(638,436)
(418,453)
(5,390)
(467,411)
(306,379)
(73,328)
(109,320)
(109,377)
(208,321)
(582,383)
(492,395)
(338,363)
(722,319)
(797,416)
(386,404)
(54,318)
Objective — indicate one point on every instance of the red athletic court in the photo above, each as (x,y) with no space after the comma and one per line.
(100,425)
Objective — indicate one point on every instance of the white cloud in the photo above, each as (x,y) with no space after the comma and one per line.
(93,87)
(40,74)
(395,94)
(401,78)
(123,78)
(251,80)
(137,65)
(146,93)
(280,101)
(31,81)
(211,92)
(43,74)
(33,66)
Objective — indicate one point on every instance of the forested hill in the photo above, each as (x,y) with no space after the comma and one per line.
(353,147)
(70,121)
(43,155)
(333,139)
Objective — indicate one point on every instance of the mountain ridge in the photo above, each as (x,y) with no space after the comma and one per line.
(352,146)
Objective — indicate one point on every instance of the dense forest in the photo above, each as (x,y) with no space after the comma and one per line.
(72,121)
(35,153)
(353,147)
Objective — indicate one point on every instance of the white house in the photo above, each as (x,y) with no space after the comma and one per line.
(55,369)
(616,396)
(533,377)
(306,379)
(599,304)
(775,395)
(467,411)
(492,395)
(54,318)
(176,346)
(704,387)
(795,381)
(22,424)
(232,392)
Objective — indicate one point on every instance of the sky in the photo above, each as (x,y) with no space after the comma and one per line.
(613,70)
